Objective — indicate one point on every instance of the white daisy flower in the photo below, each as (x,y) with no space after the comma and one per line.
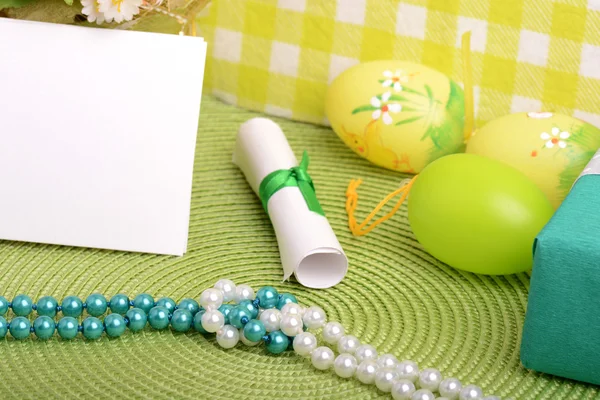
(557,138)
(384,108)
(394,80)
(91,8)
(120,10)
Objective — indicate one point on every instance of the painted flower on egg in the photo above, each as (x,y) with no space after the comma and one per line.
(394,80)
(555,138)
(383,108)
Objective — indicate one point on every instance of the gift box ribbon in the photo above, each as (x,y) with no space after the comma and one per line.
(293,177)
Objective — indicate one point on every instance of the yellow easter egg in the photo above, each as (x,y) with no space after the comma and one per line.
(398,115)
(551,149)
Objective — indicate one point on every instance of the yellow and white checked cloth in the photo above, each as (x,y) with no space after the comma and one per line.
(278,56)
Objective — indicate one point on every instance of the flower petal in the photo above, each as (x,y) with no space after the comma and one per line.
(555,131)
(375,102)
(562,144)
(386,96)
(565,135)
(387,118)
(394,107)
(387,82)
(549,144)
(376,114)
(397,87)
(545,136)
(388,74)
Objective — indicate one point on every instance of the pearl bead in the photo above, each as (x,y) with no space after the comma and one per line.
(384,379)
(408,370)
(228,336)
(450,388)
(268,297)
(387,361)
(345,365)
(422,394)
(348,344)
(403,390)
(243,292)
(271,319)
(322,358)
(314,317)
(471,392)
(212,321)
(291,325)
(292,309)
(332,332)
(244,340)
(430,379)
(305,343)
(366,371)
(211,298)
(228,288)
(365,352)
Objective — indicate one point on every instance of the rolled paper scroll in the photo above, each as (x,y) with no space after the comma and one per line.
(308,246)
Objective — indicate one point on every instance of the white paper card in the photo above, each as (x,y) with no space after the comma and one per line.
(97,136)
(308,246)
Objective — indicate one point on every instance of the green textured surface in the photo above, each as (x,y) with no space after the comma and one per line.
(395,296)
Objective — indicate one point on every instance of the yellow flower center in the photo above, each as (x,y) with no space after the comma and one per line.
(118,4)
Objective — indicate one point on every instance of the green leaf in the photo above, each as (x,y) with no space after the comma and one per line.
(14,3)
(69,2)
(429,91)
(409,90)
(395,97)
(406,108)
(364,108)
(409,120)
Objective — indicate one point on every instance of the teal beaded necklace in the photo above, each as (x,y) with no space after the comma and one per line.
(275,319)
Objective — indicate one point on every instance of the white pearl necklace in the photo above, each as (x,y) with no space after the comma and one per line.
(403,379)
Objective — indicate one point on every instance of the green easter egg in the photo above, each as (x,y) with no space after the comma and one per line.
(477,214)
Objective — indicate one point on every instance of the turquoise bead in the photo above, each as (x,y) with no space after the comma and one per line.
(286,298)
(47,306)
(144,301)
(137,319)
(92,328)
(238,317)
(96,305)
(3,327)
(119,304)
(20,328)
(167,303)
(181,320)
(190,304)
(158,317)
(67,328)
(277,342)
(225,310)
(72,306)
(267,297)
(44,327)
(21,305)
(114,324)
(198,321)
(3,305)
(254,330)
(248,306)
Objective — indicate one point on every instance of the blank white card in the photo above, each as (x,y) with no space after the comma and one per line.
(97,136)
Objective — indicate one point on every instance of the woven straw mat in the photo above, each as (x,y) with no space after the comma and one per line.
(395,296)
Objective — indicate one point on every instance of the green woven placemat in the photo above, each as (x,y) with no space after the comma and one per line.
(395,296)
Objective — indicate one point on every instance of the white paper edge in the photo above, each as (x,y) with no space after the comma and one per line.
(592,168)
(308,246)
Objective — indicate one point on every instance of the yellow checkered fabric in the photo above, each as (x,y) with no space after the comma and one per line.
(278,56)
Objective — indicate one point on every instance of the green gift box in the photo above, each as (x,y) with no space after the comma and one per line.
(561,334)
